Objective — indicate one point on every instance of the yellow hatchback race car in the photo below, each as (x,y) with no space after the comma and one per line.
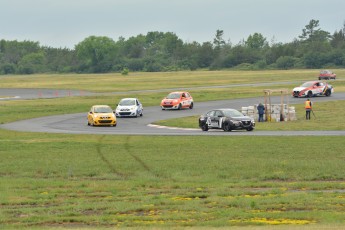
(101,115)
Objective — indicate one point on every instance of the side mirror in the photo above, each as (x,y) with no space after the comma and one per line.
(90,112)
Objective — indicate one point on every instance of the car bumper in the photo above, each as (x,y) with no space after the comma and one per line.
(242,125)
(126,114)
(169,106)
(105,122)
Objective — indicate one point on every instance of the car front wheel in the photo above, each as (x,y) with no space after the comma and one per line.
(204,127)
(310,94)
(226,127)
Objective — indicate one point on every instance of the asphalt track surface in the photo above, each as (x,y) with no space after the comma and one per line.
(77,123)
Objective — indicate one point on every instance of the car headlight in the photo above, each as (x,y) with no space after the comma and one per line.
(235,122)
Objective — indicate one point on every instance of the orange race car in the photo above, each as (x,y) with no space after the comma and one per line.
(177,100)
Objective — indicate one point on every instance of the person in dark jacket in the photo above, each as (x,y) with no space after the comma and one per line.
(261,111)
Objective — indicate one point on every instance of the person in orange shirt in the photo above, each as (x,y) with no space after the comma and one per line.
(308,108)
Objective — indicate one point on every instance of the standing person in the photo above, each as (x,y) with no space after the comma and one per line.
(261,110)
(308,108)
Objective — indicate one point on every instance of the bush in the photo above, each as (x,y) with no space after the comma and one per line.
(125,71)
(285,62)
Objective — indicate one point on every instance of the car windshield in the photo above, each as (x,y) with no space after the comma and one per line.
(307,84)
(173,96)
(126,102)
(103,110)
(232,113)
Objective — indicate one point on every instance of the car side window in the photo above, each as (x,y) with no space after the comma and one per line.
(218,113)
(210,114)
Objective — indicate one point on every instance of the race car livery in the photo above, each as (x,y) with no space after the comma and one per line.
(177,100)
(313,88)
(226,119)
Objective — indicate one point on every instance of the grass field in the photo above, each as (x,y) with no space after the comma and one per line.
(105,181)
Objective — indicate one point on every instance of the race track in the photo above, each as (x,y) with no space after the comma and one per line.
(77,124)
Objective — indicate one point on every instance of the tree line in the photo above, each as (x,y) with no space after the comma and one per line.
(159,51)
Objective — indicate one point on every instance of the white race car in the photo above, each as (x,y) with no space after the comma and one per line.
(313,88)
(129,107)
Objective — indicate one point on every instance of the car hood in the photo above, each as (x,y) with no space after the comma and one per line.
(170,100)
(103,114)
(242,118)
(119,107)
(299,88)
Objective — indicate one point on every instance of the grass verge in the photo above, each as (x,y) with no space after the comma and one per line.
(50,180)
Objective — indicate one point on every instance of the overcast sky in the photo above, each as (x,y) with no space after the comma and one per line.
(65,23)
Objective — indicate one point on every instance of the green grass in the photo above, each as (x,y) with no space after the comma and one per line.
(103,181)
(116,82)
(106,181)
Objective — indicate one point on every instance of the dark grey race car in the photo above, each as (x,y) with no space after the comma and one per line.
(226,119)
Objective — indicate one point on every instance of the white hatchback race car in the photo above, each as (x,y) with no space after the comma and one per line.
(129,107)
(313,88)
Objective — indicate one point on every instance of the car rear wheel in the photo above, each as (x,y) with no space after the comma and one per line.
(310,94)
(250,129)
(328,93)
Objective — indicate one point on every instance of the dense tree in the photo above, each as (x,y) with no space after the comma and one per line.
(338,39)
(165,51)
(285,62)
(96,53)
(256,41)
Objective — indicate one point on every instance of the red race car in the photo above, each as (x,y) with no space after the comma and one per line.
(326,75)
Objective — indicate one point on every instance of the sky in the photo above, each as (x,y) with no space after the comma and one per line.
(65,23)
